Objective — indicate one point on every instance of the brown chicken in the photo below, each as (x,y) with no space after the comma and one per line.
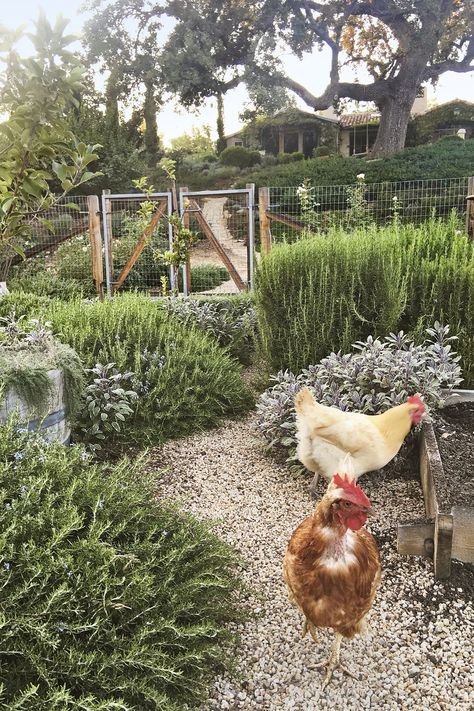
(332,566)
(326,435)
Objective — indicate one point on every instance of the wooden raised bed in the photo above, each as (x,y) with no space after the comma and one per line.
(445,534)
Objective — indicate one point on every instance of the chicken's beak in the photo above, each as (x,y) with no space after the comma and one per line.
(369,511)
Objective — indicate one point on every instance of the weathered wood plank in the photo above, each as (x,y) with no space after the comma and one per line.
(108,219)
(443,540)
(430,468)
(140,246)
(416,539)
(96,244)
(264,220)
(463,534)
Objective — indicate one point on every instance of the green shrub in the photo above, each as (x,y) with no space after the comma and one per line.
(207,276)
(231,320)
(376,375)
(109,599)
(184,379)
(283,158)
(323,294)
(448,158)
(23,304)
(47,283)
(321,151)
(240,157)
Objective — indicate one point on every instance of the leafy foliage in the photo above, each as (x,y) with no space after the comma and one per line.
(28,351)
(449,158)
(193,387)
(109,599)
(35,140)
(239,156)
(322,294)
(105,405)
(232,321)
(380,373)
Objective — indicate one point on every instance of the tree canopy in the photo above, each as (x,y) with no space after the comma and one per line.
(399,44)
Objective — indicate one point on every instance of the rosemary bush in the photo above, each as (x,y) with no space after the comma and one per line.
(109,599)
(380,373)
(324,293)
(185,381)
(232,321)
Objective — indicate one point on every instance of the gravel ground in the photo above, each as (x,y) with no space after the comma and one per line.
(418,652)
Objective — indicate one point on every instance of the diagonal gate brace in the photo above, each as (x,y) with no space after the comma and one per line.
(207,229)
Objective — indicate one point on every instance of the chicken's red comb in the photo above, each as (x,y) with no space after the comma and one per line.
(355,493)
(416,400)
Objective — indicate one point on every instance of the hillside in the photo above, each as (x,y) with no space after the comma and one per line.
(449,157)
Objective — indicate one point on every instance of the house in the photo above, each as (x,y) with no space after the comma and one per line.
(297,131)
(289,131)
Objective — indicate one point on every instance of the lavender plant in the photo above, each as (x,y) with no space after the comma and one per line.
(380,373)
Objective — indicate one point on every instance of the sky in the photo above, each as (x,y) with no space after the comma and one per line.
(312,72)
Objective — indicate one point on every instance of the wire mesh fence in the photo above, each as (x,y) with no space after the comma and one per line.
(56,259)
(138,234)
(220,256)
(316,208)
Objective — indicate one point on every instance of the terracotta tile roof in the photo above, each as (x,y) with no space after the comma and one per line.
(348,120)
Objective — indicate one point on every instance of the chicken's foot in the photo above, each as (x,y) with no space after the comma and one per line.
(334,663)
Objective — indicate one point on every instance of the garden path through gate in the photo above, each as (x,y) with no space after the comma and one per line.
(222,260)
(132,238)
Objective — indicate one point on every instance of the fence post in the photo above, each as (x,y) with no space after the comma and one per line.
(250,234)
(470,208)
(185,218)
(108,217)
(263,208)
(96,244)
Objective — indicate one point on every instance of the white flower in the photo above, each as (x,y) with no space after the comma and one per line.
(361,176)
(394,198)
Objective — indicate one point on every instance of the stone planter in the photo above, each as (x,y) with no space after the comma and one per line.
(52,425)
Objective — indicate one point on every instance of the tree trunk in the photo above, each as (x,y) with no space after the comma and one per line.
(393,128)
(221,142)
(152,143)
(112,122)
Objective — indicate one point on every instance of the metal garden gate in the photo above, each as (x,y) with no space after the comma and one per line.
(222,261)
(132,237)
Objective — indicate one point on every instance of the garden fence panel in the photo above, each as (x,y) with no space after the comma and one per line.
(135,241)
(295,211)
(57,251)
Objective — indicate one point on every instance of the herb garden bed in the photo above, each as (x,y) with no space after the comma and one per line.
(447,478)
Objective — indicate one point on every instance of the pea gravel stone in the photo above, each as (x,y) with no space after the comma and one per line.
(418,652)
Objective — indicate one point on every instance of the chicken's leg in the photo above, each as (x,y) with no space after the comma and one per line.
(334,663)
(308,626)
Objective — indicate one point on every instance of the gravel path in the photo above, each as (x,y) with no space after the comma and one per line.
(418,653)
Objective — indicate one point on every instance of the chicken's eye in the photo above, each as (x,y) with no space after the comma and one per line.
(346,504)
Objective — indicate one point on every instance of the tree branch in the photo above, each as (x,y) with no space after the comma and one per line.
(360,92)
(465,65)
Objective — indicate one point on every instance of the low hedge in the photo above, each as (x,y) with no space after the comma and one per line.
(323,294)
(109,599)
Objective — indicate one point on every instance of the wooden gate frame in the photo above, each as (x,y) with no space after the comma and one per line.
(165,206)
(188,204)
